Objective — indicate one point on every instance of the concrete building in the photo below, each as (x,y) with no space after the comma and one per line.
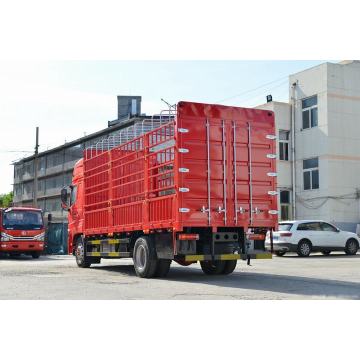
(319,171)
(55,166)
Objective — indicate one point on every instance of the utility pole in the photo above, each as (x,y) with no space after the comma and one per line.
(36,167)
(293,155)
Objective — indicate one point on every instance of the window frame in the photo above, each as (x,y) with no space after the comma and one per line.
(285,144)
(309,109)
(330,225)
(309,223)
(311,171)
(285,205)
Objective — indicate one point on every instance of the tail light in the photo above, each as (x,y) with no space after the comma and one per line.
(256,236)
(285,234)
(188,237)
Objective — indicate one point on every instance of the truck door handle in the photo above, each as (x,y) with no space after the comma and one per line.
(221,209)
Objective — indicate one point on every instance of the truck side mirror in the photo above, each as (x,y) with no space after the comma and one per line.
(49,218)
(64,199)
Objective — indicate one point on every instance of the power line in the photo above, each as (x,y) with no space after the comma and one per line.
(259,96)
(254,89)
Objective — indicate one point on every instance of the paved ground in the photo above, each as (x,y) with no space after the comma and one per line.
(290,277)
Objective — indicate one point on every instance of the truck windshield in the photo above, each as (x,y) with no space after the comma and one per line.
(22,220)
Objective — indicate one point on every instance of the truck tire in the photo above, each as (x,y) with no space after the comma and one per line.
(215,267)
(326,252)
(230,266)
(280,253)
(162,268)
(82,260)
(144,257)
(351,247)
(35,255)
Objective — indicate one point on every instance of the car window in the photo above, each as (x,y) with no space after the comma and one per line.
(310,226)
(328,227)
(285,227)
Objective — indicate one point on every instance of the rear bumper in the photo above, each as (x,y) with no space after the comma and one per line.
(260,255)
(21,246)
(280,246)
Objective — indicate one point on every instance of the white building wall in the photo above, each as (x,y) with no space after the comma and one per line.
(282,122)
(335,141)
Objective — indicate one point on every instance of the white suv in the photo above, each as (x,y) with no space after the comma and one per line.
(306,236)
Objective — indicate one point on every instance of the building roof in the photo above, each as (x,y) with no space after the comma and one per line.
(94,135)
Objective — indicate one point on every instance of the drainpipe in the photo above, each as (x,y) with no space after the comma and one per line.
(293,170)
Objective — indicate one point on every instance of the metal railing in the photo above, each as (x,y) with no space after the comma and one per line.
(131,132)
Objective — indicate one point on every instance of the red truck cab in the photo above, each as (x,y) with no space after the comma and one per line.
(76,215)
(22,231)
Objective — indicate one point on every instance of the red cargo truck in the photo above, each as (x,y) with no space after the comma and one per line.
(201,187)
(22,231)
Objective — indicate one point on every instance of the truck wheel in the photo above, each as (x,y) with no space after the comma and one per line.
(230,266)
(145,261)
(326,252)
(304,248)
(82,260)
(351,247)
(280,253)
(162,268)
(35,255)
(215,267)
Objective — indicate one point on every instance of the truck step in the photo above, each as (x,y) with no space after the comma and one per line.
(108,241)
(259,255)
(108,254)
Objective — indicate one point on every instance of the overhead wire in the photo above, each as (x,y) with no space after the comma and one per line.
(252,90)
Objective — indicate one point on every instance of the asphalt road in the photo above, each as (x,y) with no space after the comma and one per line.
(57,277)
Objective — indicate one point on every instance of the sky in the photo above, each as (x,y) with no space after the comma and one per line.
(68,99)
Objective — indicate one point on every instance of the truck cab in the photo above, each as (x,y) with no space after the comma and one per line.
(75,205)
(22,231)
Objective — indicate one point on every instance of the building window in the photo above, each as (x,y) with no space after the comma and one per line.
(309,112)
(284,145)
(311,173)
(285,205)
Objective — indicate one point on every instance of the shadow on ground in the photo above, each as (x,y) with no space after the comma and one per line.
(319,256)
(281,284)
(5,257)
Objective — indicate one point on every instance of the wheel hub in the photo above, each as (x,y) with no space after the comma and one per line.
(140,257)
(305,248)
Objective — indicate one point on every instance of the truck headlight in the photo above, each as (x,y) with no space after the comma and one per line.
(4,237)
(40,237)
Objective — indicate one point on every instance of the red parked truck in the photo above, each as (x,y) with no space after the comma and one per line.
(200,187)
(22,231)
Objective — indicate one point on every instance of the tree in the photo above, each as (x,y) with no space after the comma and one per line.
(6,199)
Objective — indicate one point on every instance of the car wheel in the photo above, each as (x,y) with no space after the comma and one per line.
(304,248)
(351,247)
(210,267)
(144,257)
(326,252)
(35,255)
(280,253)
